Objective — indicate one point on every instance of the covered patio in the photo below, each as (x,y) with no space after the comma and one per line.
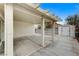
(24,31)
(20,36)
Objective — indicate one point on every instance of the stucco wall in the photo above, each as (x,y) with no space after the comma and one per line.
(23,29)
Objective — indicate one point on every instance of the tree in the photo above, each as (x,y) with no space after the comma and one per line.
(73,20)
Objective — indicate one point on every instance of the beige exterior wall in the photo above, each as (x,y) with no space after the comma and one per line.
(23,29)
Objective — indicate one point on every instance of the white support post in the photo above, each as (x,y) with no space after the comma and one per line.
(8,13)
(43,32)
(53,30)
(61,30)
(1,30)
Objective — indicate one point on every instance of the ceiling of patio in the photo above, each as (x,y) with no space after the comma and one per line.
(1,11)
(21,14)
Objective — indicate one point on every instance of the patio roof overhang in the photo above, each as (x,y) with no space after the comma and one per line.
(1,11)
(24,12)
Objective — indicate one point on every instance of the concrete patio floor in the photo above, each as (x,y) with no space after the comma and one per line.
(24,46)
(61,46)
(29,44)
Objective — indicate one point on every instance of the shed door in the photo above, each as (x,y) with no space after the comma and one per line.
(65,31)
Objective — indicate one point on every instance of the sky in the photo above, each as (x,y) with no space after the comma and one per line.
(61,9)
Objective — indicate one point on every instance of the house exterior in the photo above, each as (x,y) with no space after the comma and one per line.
(19,19)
